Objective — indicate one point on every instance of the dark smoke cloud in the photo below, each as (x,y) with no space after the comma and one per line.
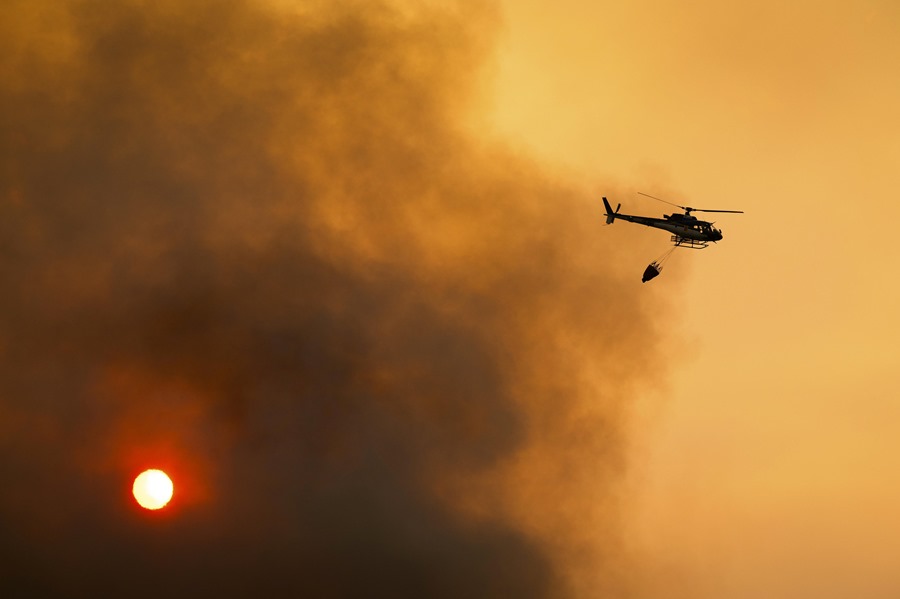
(256,247)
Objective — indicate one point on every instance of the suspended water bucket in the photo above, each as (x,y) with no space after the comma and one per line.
(657,265)
(652,271)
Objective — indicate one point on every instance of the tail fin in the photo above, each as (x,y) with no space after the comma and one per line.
(610,215)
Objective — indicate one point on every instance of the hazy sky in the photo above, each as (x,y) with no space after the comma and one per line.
(340,267)
(770,466)
(264,248)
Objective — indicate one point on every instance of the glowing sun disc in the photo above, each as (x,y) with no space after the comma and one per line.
(152,489)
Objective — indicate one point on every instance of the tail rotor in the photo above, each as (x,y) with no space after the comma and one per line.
(610,215)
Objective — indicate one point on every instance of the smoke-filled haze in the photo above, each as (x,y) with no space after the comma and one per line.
(262,247)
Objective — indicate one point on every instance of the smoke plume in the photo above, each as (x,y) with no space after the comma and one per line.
(259,247)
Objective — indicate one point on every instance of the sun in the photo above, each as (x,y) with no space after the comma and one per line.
(152,489)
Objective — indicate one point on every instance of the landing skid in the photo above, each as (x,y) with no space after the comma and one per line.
(685,242)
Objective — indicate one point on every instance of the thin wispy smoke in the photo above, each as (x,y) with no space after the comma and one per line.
(257,248)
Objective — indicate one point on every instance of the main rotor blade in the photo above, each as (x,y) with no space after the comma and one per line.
(662,200)
(686,208)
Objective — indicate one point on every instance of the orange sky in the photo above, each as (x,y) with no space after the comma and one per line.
(769,467)
(280,254)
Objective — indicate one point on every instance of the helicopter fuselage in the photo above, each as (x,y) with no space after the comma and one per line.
(687,231)
(678,224)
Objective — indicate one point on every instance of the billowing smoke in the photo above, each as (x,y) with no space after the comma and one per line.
(260,247)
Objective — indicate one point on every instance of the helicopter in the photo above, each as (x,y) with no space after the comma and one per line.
(687,231)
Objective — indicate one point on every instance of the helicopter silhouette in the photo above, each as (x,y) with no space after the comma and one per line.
(687,231)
